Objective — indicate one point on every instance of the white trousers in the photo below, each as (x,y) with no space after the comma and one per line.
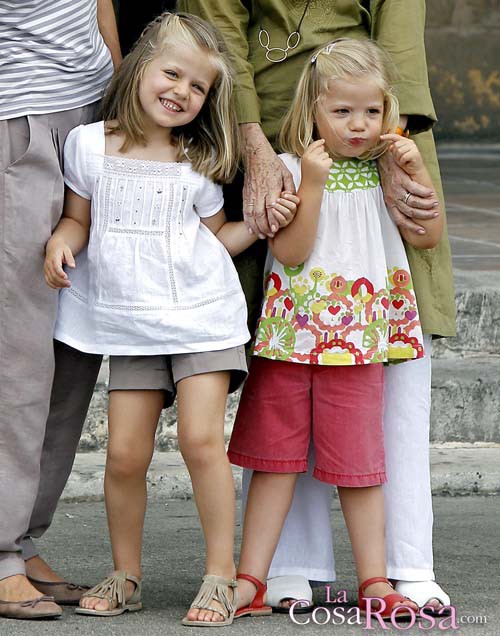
(306,546)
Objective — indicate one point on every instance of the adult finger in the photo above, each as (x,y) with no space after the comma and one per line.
(416,188)
(249,205)
(404,222)
(427,205)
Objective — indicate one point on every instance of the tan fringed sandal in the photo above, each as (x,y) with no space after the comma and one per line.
(215,588)
(112,589)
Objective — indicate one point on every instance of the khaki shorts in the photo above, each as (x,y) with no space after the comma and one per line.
(161,373)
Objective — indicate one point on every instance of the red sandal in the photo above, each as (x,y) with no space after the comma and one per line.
(256,607)
(390,601)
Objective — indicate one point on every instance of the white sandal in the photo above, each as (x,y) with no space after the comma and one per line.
(112,589)
(422,592)
(291,587)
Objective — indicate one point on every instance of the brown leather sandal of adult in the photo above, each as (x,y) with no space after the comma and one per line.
(37,608)
(256,607)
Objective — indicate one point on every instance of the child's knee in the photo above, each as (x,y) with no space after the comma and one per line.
(126,463)
(199,447)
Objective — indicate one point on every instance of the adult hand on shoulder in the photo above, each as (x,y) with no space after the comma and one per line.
(57,253)
(405,199)
(266,177)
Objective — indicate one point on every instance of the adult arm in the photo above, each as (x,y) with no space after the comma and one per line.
(266,177)
(106,21)
(398,26)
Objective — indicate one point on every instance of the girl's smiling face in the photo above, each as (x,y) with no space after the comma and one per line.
(174,86)
(350,116)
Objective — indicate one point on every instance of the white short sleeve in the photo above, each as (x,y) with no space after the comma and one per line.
(209,199)
(76,173)
(293,164)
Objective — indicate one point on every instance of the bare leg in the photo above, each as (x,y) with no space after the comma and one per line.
(364,514)
(201,408)
(269,500)
(133,418)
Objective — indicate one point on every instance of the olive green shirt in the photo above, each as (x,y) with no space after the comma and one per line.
(264,91)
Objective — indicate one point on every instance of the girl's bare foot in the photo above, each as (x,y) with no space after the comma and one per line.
(103,605)
(208,616)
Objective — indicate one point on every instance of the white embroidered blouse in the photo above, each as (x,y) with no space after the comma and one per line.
(153,280)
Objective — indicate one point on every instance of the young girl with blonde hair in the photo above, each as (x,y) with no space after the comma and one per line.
(157,291)
(339,303)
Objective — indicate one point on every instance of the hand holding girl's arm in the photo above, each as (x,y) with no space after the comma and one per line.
(407,157)
(266,176)
(70,237)
(235,236)
(292,245)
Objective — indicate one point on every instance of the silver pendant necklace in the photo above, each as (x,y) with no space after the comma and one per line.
(277,54)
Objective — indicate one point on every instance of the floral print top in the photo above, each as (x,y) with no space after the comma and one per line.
(352,301)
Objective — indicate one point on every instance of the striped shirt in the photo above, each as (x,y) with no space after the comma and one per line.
(52,56)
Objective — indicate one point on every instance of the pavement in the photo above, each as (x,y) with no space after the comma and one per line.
(467,562)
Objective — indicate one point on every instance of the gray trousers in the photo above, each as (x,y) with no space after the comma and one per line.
(31,200)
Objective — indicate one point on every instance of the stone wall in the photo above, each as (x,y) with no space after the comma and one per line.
(463,54)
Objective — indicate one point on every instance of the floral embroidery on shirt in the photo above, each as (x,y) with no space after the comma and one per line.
(325,319)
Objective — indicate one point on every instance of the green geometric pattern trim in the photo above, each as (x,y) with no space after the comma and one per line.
(352,174)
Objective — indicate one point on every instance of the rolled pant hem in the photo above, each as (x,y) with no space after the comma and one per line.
(11,563)
(29,548)
(410,574)
(268,465)
(350,481)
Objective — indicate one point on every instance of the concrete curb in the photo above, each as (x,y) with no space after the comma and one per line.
(457,470)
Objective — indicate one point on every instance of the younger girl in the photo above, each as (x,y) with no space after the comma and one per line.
(338,303)
(156,289)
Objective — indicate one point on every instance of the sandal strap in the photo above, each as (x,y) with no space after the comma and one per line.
(258,600)
(375,579)
(112,588)
(215,588)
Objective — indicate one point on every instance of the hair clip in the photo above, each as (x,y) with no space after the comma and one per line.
(327,49)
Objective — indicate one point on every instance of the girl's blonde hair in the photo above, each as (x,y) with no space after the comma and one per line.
(210,141)
(339,59)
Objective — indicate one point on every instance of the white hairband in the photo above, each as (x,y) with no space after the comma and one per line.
(327,49)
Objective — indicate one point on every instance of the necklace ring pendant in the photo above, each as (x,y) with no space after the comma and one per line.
(277,54)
